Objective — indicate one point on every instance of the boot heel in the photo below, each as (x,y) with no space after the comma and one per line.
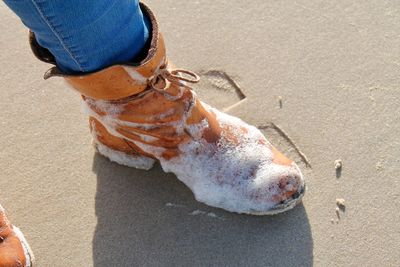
(135,161)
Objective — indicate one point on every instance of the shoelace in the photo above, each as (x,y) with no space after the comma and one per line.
(173,76)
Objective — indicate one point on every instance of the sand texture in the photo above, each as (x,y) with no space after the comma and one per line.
(322,81)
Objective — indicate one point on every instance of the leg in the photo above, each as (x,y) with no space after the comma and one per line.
(83,35)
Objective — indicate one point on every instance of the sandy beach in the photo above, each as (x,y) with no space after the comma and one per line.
(322,81)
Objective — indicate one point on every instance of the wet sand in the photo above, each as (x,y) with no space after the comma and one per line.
(326,74)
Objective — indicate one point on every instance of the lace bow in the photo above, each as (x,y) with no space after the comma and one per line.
(162,75)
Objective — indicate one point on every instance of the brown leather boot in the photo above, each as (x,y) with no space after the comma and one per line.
(146,111)
(14,250)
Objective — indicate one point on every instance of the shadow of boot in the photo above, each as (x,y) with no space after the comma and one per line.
(149,218)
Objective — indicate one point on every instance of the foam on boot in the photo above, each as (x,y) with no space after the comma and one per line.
(238,177)
(139,162)
(237,173)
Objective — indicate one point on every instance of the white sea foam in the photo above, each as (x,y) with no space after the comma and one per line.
(110,122)
(200,212)
(139,162)
(135,75)
(236,177)
(197,212)
(169,204)
(237,173)
(135,161)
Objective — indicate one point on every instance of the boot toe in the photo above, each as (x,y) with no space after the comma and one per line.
(275,189)
(291,189)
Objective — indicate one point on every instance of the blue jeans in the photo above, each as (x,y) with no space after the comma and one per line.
(85,35)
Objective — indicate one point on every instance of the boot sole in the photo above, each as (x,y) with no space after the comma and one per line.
(145,163)
(275,212)
(138,162)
